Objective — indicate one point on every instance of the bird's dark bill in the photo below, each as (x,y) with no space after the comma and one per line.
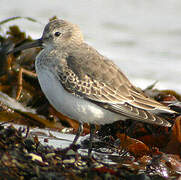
(36,43)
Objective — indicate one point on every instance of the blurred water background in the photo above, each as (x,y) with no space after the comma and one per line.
(142,37)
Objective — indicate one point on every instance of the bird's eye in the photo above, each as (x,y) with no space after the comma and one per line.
(57,34)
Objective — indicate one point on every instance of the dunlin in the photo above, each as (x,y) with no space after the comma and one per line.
(86,86)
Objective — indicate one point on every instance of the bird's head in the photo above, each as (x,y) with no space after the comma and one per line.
(57,33)
(60,33)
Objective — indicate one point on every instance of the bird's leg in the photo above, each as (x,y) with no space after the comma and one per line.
(80,129)
(92,131)
(131,125)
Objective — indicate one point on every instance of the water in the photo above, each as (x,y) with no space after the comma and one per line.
(142,37)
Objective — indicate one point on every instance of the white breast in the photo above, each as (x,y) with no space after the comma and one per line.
(71,105)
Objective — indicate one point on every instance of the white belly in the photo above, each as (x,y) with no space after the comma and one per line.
(70,105)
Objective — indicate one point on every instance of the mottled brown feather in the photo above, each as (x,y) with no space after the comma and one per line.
(96,78)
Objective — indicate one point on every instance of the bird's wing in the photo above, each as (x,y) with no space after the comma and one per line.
(100,80)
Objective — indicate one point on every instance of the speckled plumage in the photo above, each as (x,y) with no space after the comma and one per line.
(92,87)
(86,74)
(86,86)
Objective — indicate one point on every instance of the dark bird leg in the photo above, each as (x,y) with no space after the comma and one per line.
(92,131)
(80,129)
